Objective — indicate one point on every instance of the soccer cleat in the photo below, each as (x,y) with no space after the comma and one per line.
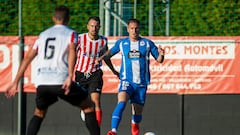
(111,133)
(135,129)
(82,115)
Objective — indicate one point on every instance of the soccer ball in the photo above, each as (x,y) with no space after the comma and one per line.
(149,133)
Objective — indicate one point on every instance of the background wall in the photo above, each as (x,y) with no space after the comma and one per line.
(202,115)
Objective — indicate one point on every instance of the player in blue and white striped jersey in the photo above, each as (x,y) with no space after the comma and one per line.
(134,73)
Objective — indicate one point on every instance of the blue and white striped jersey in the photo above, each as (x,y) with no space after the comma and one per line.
(135,59)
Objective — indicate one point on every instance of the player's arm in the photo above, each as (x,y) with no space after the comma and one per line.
(157,52)
(110,65)
(71,64)
(110,52)
(105,56)
(109,62)
(71,59)
(160,58)
(12,88)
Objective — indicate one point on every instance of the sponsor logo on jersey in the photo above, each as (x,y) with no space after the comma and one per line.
(134,54)
(89,55)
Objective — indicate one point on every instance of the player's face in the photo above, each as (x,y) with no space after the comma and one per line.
(93,28)
(133,31)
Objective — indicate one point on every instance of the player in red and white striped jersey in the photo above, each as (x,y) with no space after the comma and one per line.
(91,45)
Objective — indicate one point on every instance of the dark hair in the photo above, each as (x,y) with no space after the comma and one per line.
(134,21)
(62,13)
(96,18)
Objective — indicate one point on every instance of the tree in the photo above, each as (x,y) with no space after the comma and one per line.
(188,18)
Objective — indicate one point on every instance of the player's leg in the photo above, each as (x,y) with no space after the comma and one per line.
(117,113)
(138,101)
(96,100)
(78,97)
(95,90)
(81,79)
(36,121)
(87,106)
(45,97)
(124,93)
(136,118)
(93,85)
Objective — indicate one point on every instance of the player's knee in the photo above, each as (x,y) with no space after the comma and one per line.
(136,118)
(88,109)
(40,113)
(87,105)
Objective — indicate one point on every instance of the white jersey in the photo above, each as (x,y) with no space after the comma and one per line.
(51,61)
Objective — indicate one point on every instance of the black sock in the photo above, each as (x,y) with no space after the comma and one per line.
(92,124)
(34,125)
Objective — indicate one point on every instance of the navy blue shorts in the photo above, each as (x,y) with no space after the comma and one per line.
(93,83)
(49,94)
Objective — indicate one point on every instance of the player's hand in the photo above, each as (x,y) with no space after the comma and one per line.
(11,90)
(66,85)
(97,61)
(161,50)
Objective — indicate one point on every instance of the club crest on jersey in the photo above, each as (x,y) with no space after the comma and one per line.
(89,55)
(84,54)
(142,43)
(134,54)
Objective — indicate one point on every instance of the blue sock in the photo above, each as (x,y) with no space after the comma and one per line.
(136,118)
(117,114)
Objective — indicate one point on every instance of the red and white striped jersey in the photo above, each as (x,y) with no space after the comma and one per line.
(88,51)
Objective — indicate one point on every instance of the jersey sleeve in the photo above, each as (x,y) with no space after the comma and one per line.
(74,38)
(116,48)
(36,44)
(104,43)
(154,49)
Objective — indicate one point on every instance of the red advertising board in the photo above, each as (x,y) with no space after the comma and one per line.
(193,65)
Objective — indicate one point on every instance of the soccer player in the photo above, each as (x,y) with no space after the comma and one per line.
(134,74)
(55,53)
(89,75)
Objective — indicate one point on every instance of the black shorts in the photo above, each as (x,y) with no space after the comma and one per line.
(93,83)
(49,94)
